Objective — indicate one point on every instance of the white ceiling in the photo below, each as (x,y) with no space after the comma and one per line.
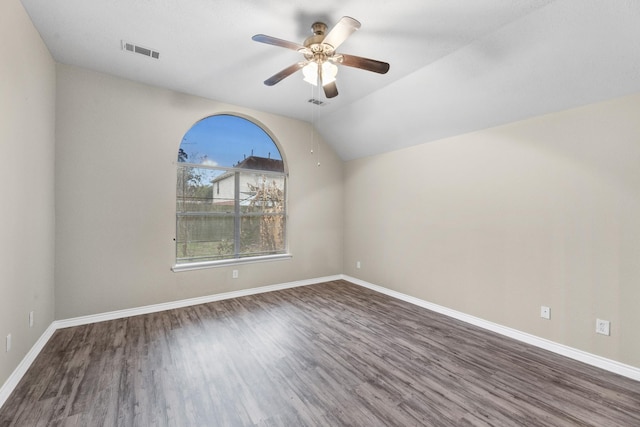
(456,65)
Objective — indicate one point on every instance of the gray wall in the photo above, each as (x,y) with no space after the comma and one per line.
(27,120)
(116,147)
(499,222)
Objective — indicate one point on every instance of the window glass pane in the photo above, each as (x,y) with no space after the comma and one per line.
(204,238)
(262,235)
(196,191)
(260,193)
(227,141)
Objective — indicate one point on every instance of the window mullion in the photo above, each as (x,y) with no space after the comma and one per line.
(236,221)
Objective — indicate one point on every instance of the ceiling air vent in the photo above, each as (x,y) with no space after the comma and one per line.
(134,48)
(316,102)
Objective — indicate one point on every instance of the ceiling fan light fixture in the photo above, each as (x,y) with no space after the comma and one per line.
(310,73)
(329,72)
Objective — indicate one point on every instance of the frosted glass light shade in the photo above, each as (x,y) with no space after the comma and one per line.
(329,72)
(310,72)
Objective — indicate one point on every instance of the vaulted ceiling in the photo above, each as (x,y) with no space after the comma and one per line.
(456,65)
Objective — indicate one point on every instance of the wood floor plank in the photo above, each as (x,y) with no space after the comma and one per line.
(330,354)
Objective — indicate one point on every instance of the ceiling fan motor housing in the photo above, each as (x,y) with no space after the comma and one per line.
(319,28)
(318,51)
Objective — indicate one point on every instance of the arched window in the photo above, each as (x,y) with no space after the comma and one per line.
(231,194)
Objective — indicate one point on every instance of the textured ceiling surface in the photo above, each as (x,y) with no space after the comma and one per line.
(456,65)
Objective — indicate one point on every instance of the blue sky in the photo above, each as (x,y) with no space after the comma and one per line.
(224,140)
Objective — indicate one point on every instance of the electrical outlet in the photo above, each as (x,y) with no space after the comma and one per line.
(234,274)
(602,327)
(545,312)
(8,342)
(31,319)
(357,264)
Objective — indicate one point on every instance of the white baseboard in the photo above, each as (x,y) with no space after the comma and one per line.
(15,377)
(572,353)
(154,308)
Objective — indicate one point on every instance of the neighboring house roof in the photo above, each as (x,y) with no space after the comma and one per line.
(254,163)
(261,163)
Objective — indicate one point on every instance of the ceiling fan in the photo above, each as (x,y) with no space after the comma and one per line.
(320,56)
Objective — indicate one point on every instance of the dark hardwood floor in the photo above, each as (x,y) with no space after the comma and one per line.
(331,354)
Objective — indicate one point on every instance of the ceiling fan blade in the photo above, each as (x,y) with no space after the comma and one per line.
(284,73)
(343,29)
(278,42)
(364,63)
(330,90)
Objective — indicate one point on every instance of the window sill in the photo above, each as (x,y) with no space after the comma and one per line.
(227,262)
